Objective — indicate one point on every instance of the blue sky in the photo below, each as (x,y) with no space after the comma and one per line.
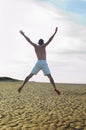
(76,8)
(66,54)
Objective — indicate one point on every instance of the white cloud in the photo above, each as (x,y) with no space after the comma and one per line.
(39,20)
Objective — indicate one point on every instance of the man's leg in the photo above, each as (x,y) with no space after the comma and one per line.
(25,81)
(53,83)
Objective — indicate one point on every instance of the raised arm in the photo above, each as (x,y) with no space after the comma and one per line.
(50,39)
(28,39)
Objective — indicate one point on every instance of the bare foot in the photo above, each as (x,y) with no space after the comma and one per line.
(57,91)
(19,90)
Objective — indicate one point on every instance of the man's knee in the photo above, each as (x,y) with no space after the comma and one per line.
(49,76)
(29,76)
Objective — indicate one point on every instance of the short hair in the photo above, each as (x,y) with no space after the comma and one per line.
(41,41)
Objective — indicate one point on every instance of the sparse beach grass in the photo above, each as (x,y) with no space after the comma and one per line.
(38,107)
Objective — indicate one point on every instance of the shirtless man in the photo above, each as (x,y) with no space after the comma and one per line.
(41,64)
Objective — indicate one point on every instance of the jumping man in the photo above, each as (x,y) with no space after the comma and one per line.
(41,64)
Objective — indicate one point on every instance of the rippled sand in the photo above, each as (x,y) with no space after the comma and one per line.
(38,107)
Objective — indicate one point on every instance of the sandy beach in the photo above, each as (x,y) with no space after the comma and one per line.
(38,107)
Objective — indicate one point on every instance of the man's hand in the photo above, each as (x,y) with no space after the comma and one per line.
(21,32)
(56,30)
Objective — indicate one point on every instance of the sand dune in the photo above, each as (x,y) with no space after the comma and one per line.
(38,107)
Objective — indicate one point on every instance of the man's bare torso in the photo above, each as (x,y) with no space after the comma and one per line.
(40,52)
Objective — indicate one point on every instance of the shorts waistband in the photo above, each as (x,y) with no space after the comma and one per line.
(41,60)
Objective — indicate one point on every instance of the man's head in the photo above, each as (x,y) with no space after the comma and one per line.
(41,42)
